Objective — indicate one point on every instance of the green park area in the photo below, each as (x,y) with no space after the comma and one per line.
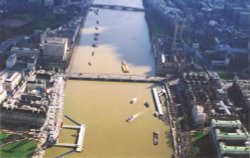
(226,75)
(13,146)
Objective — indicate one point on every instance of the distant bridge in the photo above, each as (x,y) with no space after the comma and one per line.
(117,7)
(114,77)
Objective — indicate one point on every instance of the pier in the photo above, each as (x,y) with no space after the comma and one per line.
(113,77)
(80,137)
(157,101)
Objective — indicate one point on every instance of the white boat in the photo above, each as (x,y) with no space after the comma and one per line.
(133,101)
(130,118)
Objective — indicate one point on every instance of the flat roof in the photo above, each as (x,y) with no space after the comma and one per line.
(218,123)
(56,40)
(234,149)
(225,135)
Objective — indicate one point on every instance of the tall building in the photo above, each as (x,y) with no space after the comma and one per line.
(56,48)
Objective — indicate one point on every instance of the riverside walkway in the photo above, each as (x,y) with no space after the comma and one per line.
(113,77)
(117,7)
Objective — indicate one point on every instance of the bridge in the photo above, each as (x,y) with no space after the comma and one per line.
(117,7)
(113,77)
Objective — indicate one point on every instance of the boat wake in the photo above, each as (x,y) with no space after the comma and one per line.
(133,117)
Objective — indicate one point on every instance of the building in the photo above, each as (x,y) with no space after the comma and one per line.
(198,115)
(225,55)
(230,139)
(240,94)
(2,2)
(56,48)
(221,94)
(11,61)
(244,19)
(40,2)
(3,94)
(26,57)
(221,107)
(239,56)
(48,2)
(248,46)
(12,81)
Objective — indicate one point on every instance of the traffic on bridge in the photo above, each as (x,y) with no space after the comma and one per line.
(113,77)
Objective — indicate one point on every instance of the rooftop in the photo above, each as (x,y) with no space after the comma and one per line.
(223,123)
(228,136)
(56,40)
(234,149)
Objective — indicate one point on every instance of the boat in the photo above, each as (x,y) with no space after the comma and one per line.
(97,22)
(93,53)
(155,138)
(94,45)
(146,104)
(133,101)
(96,38)
(130,118)
(125,68)
(89,64)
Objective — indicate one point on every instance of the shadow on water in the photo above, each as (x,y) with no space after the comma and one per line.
(126,33)
(66,153)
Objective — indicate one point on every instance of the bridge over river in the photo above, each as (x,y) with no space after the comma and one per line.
(117,7)
(114,77)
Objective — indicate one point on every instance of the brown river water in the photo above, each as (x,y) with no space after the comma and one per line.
(104,106)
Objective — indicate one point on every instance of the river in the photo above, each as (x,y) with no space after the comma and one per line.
(104,106)
(122,36)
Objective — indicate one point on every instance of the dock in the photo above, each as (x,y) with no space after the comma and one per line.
(113,77)
(157,101)
(80,137)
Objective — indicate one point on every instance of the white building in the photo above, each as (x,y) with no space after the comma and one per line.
(56,47)
(199,117)
(26,56)
(11,61)
(3,95)
(12,81)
